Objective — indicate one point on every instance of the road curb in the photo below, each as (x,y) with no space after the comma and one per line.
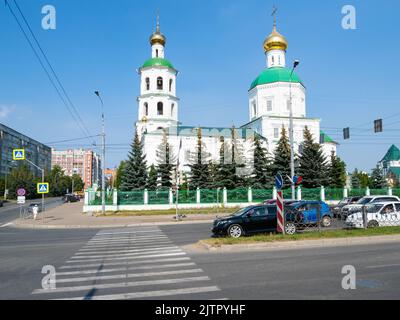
(124,225)
(334,242)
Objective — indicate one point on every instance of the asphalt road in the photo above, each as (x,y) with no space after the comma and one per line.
(90,264)
(11,211)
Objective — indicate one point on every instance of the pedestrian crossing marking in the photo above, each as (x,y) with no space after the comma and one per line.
(106,264)
(18,154)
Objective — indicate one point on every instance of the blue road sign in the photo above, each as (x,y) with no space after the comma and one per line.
(278,181)
(42,188)
(295,179)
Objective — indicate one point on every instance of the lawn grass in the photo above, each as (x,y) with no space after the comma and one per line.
(340,233)
(210,211)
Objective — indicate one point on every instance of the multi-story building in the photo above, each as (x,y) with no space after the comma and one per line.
(85,163)
(36,152)
(110,175)
(390,163)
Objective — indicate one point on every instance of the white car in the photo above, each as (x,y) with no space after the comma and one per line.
(380,214)
(357,207)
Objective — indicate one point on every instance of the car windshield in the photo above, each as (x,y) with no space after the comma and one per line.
(373,208)
(344,201)
(364,200)
(239,212)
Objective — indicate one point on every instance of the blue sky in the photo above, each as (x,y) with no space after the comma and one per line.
(351,75)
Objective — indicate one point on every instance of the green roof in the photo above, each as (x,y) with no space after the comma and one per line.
(325,138)
(393,154)
(159,62)
(275,74)
(395,170)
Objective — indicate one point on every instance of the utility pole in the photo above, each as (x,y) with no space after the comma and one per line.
(295,64)
(42,170)
(103,134)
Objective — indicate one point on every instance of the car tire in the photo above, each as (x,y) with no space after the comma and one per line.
(290,228)
(326,221)
(372,224)
(235,231)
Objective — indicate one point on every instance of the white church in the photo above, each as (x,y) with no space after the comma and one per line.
(269,108)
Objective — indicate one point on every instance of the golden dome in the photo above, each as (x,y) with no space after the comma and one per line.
(144,119)
(158,37)
(275,41)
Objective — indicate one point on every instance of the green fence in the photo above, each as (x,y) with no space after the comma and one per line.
(96,198)
(211,196)
(260,195)
(132,197)
(187,196)
(237,195)
(333,194)
(159,197)
(310,194)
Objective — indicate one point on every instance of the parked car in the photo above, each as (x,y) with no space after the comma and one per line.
(32,205)
(344,202)
(262,218)
(357,207)
(377,214)
(273,201)
(71,198)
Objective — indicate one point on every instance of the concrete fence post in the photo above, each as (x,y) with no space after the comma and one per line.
(390,191)
(250,195)
(274,193)
(225,196)
(345,192)
(146,196)
(198,196)
(322,193)
(86,198)
(367,192)
(115,197)
(299,193)
(171,196)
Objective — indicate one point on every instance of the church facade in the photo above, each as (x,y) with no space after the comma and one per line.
(271,94)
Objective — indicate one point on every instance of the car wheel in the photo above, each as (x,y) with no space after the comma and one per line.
(372,224)
(290,228)
(235,231)
(326,221)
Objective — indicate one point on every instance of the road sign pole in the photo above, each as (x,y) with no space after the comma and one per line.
(280,213)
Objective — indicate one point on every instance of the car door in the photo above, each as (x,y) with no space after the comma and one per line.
(271,222)
(310,213)
(396,215)
(386,215)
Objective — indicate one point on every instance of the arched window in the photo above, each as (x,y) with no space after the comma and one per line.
(157,53)
(147,83)
(172,109)
(159,83)
(160,109)
(254,109)
(273,60)
(146,109)
(170,85)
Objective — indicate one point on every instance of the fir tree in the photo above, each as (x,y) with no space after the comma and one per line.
(377,179)
(153,177)
(355,180)
(135,172)
(165,161)
(312,163)
(226,169)
(120,174)
(281,161)
(262,177)
(199,175)
(337,172)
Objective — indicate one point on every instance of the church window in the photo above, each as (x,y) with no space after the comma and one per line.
(160,109)
(146,109)
(172,109)
(273,60)
(276,133)
(269,105)
(254,109)
(147,84)
(157,53)
(170,85)
(159,83)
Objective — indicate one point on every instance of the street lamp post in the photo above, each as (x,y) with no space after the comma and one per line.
(295,64)
(103,182)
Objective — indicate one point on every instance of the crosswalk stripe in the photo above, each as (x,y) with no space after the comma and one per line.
(121,256)
(131,258)
(129,275)
(117,254)
(108,264)
(150,294)
(121,285)
(125,242)
(114,247)
(136,242)
(145,267)
(127,238)
(129,232)
(131,249)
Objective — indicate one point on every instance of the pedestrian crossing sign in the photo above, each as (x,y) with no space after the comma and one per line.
(19,154)
(43,188)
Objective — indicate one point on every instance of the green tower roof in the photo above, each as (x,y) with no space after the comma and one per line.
(393,154)
(275,74)
(325,138)
(159,62)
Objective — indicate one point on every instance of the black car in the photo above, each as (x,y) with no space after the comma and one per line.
(250,220)
(344,202)
(71,198)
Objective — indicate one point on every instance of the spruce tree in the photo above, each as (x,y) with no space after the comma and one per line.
(281,161)
(199,175)
(165,161)
(226,169)
(153,177)
(135,171)
(262,177)
(312,163)
(355,179)
(337,172)
(378,181)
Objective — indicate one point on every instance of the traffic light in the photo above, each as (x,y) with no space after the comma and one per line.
(346,133)
(378,126)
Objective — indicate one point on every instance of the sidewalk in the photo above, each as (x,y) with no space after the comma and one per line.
(69,215)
